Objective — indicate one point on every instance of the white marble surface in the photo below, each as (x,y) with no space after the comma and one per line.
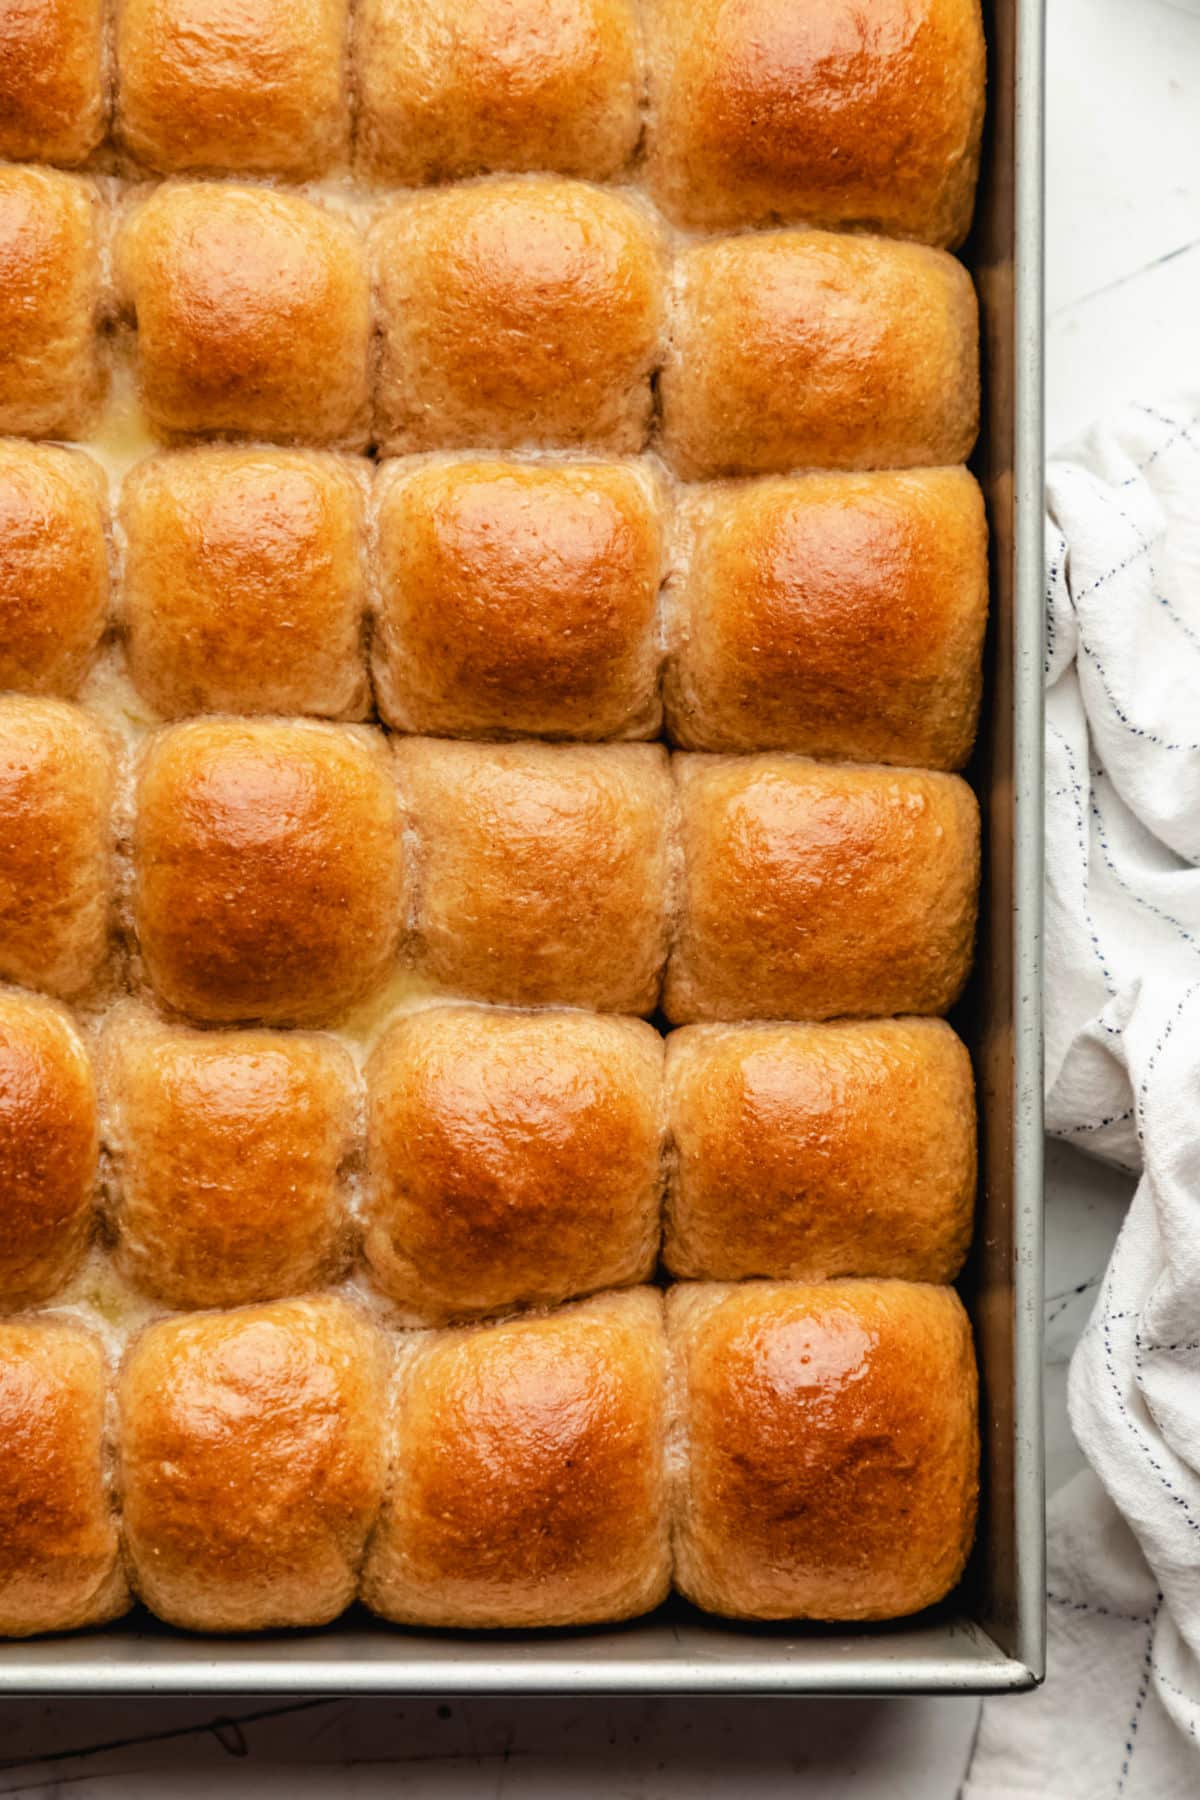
(1123,306)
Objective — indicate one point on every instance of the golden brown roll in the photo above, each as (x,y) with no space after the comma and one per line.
(476,85)
(51,378)
(48,1147)
(808,1151)
(811,350)
(514,1158)
(518,599)
(267,871)
(543,871)
(830,1448)
(52,79)
(260,87)
(527,1485)
(840,615)
(56,788)
(812,890)
(823,112)
(252,313)
(252,1463)
(244,586)
(517,312)
(60,1564)
(53,566)
(227,1156)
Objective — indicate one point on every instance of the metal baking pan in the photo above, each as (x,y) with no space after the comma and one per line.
(990,1635)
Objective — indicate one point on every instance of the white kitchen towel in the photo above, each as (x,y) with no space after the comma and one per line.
(1120,1712)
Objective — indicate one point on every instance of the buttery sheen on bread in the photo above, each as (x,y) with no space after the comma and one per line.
(227,1154)
(51,376)
(813,889)
(449,91)
(268,881)
(813,350)
(829,1447)
(244,582)
(543,873)
(809,1151)
(53,102)
(257,88)
(252,1463)
(518,599)
(54,579)
(57,772)
(252,313)
(822,112)
(519,312)
(839,615)
(60,1562)
(514,1158)
(527,1484)
(48,1149)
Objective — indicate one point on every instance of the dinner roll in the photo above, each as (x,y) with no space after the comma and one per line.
(806,349)
(53,566)
(830,1449)
(252,1463)
(60,1565)
(48,1148)
(244,585)
(526,1485)
(52,79)
(812,890)
(252,313)
(462,88)
(517,312)
(825,112)
(518,599)
(267,871)
(840,615)
(514,1159)
(227,1154)
(56,787)
(543,871)
(807,1151)
(51,379)
(260,87)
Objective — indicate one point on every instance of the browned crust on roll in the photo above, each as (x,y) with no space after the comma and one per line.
(54,576)
(252,1463)
(527,1483)
(252,308)
(518,599)
(813,890)
(830,1447)
(60,1566)
(543,872)
(812,350)
(268,875)
(51,377)
(496,84)
(838,615)
(819,112)
(514,1159)
(244,582)
(519,312)
(810,1151)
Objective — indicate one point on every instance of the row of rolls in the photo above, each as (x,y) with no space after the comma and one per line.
(482,596)
(477,1159)
(730,115)
(520,311)
(287,871)
(771,1449)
